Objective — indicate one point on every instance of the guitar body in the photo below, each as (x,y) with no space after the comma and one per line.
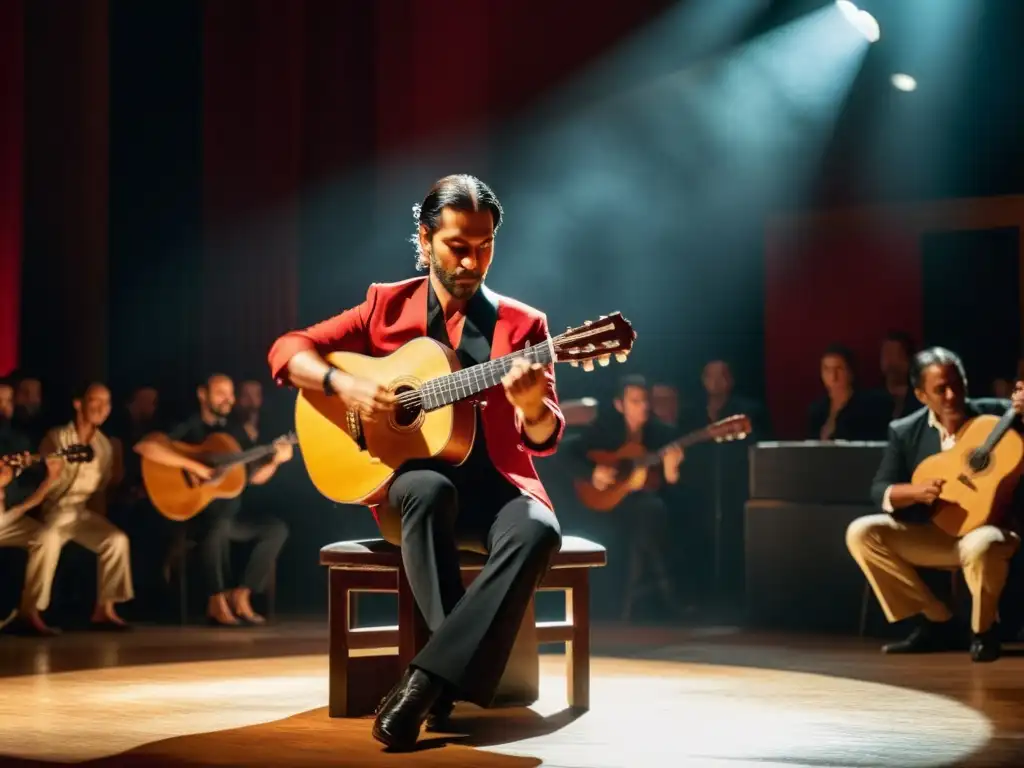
(969,498)
(351,472)
(178,496)
(631,479)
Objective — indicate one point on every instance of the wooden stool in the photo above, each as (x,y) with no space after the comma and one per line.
(366,662)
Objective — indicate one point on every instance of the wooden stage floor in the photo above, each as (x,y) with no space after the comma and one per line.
(660,697)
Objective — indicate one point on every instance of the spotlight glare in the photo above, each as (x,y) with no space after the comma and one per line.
(904,82)
(863,21)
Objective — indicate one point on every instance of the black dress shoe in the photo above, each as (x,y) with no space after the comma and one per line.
(404,709)
(439,718)
(930,637)
(985,646)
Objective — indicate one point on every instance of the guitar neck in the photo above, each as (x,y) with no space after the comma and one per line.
(12,458)
(467,382)
(1004,425)
(248,456)
(692,438)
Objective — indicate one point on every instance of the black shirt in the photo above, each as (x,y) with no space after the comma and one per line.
(609,434)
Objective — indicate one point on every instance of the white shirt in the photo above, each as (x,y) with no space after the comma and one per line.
(946,441)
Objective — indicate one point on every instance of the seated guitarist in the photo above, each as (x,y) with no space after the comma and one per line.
(643,513)
(494,501)
(74,508)
(222,522)
(890,546)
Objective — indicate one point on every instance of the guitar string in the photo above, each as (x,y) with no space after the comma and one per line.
(467,377)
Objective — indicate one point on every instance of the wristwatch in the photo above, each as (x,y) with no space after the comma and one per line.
(328,387)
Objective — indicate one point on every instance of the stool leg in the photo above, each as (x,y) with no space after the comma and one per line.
(338,659)
(183,588)
(577,650)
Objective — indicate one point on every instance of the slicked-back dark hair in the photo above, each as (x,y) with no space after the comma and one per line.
(632,380)
(460,192)
(935,356)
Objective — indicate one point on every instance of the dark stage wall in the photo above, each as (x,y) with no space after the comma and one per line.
(190,166)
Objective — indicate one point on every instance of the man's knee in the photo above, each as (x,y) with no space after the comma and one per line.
(540,534)
(865,533)
(47,540)
(422,492)
(986,544)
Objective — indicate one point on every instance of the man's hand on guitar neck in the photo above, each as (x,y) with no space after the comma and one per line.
(670,462)
(908,494)
(1018,398)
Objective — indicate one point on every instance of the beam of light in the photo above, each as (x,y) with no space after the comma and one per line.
(903,82)
(862,21)
(659,189)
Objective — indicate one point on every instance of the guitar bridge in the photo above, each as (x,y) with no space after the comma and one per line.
(968,482)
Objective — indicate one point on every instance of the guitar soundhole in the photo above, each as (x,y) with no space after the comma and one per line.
(978,461)
(408,411)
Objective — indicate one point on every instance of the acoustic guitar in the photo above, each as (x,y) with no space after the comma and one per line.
(73,454)
(632,463)
(352,462)
(981,472)
(179,495)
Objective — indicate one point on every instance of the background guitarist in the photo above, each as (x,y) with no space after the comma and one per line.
(16,528)
(223,522)
(642,518)
(494,500)
(890,546)
(74,508)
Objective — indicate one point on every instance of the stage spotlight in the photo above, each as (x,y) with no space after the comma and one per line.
(863,21)
(903,82)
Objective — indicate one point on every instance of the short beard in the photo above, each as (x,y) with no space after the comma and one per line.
(447,279)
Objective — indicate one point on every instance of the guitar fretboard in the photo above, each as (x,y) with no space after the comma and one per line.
(1004,425)
(452,387)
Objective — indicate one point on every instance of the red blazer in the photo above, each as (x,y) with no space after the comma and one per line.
(395,313)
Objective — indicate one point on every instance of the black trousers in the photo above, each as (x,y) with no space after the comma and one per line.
(472,630)
(216,529)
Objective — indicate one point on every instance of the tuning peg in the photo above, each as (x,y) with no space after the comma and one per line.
(603,317)
(574,363)
(604,360)
(621,356)
(588,322)
(588,365)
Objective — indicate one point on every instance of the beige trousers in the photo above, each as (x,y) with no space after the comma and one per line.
(19,533)
(95,533)
(888,552)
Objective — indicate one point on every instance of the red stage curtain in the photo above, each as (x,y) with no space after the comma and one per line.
(12,141)
(825,286)
(252,152)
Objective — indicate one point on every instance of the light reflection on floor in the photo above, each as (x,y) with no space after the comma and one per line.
(665,713)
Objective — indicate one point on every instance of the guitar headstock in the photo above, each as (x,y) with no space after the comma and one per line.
(77,454)
(608,336)
(731,428)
